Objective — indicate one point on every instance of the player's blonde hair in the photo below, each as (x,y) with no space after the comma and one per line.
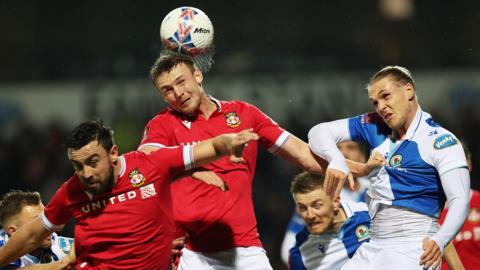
(399,73)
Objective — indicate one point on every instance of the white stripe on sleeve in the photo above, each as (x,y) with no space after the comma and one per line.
(49,225)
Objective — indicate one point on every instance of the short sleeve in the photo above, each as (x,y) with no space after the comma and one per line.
(272,136)
(156,133)
(368,128)
(56,213)
(447,153)
(172,160)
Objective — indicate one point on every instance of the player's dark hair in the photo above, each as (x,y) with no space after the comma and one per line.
(399,73)
(14,201)
(306,182)
(166,62)
(89,131)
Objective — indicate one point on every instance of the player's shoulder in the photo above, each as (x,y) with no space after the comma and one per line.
(234,103)
(354,208)
(302,236)
(435,135)
(165,114)
(370,118)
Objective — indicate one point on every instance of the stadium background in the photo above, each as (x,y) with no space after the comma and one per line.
(63,62)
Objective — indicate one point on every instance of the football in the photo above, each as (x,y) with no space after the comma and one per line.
(187,30)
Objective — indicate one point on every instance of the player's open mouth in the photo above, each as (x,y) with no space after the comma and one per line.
(388,116)
(185,101)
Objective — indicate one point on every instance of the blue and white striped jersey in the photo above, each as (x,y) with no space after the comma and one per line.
(411,179)
(330,251)
(61,246)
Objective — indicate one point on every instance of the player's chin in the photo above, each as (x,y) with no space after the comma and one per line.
(317,228)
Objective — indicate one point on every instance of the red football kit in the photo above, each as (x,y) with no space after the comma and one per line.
(129,227)
(467,241)
(216,220)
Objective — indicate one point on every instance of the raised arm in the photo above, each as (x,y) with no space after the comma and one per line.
(323,139)
(222,145)
(26,239)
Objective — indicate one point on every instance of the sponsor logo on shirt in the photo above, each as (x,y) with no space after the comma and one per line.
(144,192)
(232,119)
(444,141)
(136,178)
(362,232)
(148,191)
(396,160)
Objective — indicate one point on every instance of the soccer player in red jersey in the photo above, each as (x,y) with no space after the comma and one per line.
(221,226)
(121,203)
(467,241)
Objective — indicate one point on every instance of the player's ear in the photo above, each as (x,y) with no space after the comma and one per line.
(410,91)
(114,153)
(198,76)
(10,230)
(336,203)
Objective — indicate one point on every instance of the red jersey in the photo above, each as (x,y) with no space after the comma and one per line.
(216,220)
(467,241)
(129,227)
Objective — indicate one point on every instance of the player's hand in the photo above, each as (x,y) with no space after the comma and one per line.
(432,255)
(210,178)
(375,161)
(236,143)
(178,244)
(334,181)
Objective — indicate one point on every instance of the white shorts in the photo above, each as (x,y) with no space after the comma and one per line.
(392,256)
(252,258)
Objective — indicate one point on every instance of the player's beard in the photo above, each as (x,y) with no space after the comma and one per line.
(105,185)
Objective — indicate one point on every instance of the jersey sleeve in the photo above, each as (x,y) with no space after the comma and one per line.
(56,213)
(447,153)
(156,133)
(172,160)
(369,128)
(272,136)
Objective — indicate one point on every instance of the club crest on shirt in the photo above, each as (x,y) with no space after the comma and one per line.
(396,160)
(136,178)
(232,119)
(362,232)
(444,141)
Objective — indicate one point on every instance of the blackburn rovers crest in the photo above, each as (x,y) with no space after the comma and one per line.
(232,119)
(136,178)
(396,161)
(362,232)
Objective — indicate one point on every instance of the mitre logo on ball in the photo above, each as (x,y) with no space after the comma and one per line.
(187,30)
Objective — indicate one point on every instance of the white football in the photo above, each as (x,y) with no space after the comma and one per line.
(187,30)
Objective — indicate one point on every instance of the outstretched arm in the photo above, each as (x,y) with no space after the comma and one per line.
(222,145)
(323,139)
(26,239)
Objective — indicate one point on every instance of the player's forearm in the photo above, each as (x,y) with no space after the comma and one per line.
(297,152)
(456,184)
(323,139)
(450,256)
(26,239)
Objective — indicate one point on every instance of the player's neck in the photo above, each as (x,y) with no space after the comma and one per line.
(401,132)
(206,107)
